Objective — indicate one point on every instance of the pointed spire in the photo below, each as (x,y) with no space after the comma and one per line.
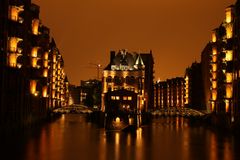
(139,62)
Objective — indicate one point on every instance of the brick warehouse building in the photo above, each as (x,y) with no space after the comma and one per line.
(29,66)
(131,76)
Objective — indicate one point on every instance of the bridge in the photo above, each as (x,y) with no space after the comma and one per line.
(73,109)
(174,111)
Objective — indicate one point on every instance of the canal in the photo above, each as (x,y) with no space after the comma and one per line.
(71,137)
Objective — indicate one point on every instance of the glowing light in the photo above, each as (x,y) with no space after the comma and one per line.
(212,106)
(14,12)
(13,42)
(229,30)
(214,58)
(34,62)
(214,67)
(45,72)
(34,52)
(35,26)
(227,105)
(53,95)
(46,56)
(214,75)
(12,60)
(117,120)
(45,64)
(228,91)
(229,77)
(33,85)
(54,58)
(214,84)
(214,37)
(44,91)
(131,121)
(228,13)
(214,95)
(214,51)
(229,55)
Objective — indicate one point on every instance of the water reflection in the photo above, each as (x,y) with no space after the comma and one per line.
(71,137)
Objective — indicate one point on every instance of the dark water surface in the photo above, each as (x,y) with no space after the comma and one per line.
(71,137)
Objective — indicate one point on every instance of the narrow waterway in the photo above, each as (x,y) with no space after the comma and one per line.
(71,137)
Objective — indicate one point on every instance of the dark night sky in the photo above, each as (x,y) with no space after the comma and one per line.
(86,30)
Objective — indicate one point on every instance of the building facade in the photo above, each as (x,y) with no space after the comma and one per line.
(25,61)
(169,93)
(194,91)
(224,65)
(220,63)
(205,65)
(124,82)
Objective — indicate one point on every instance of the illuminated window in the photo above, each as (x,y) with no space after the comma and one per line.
(229,55)
(117,98)
(12,60)
(214,58)
(34,52)
(214,50)
(228,91)
(229,31)
(35,26)
(46,55)
(54,66)
(129,98)
(214,75)
(45,64)
(229,77)
(228,13)
(53,94)
(214,67)
(54,74)
(227,105)
(125,98)
(54,58)
(34,62)
(212,106)
(113,98)
(54,79)
(53,86)
(33,85)
(13,42)
(14,13)
(214,84)
(214,37)
(44,91)
(45,72)
(58,95)
(214,95)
